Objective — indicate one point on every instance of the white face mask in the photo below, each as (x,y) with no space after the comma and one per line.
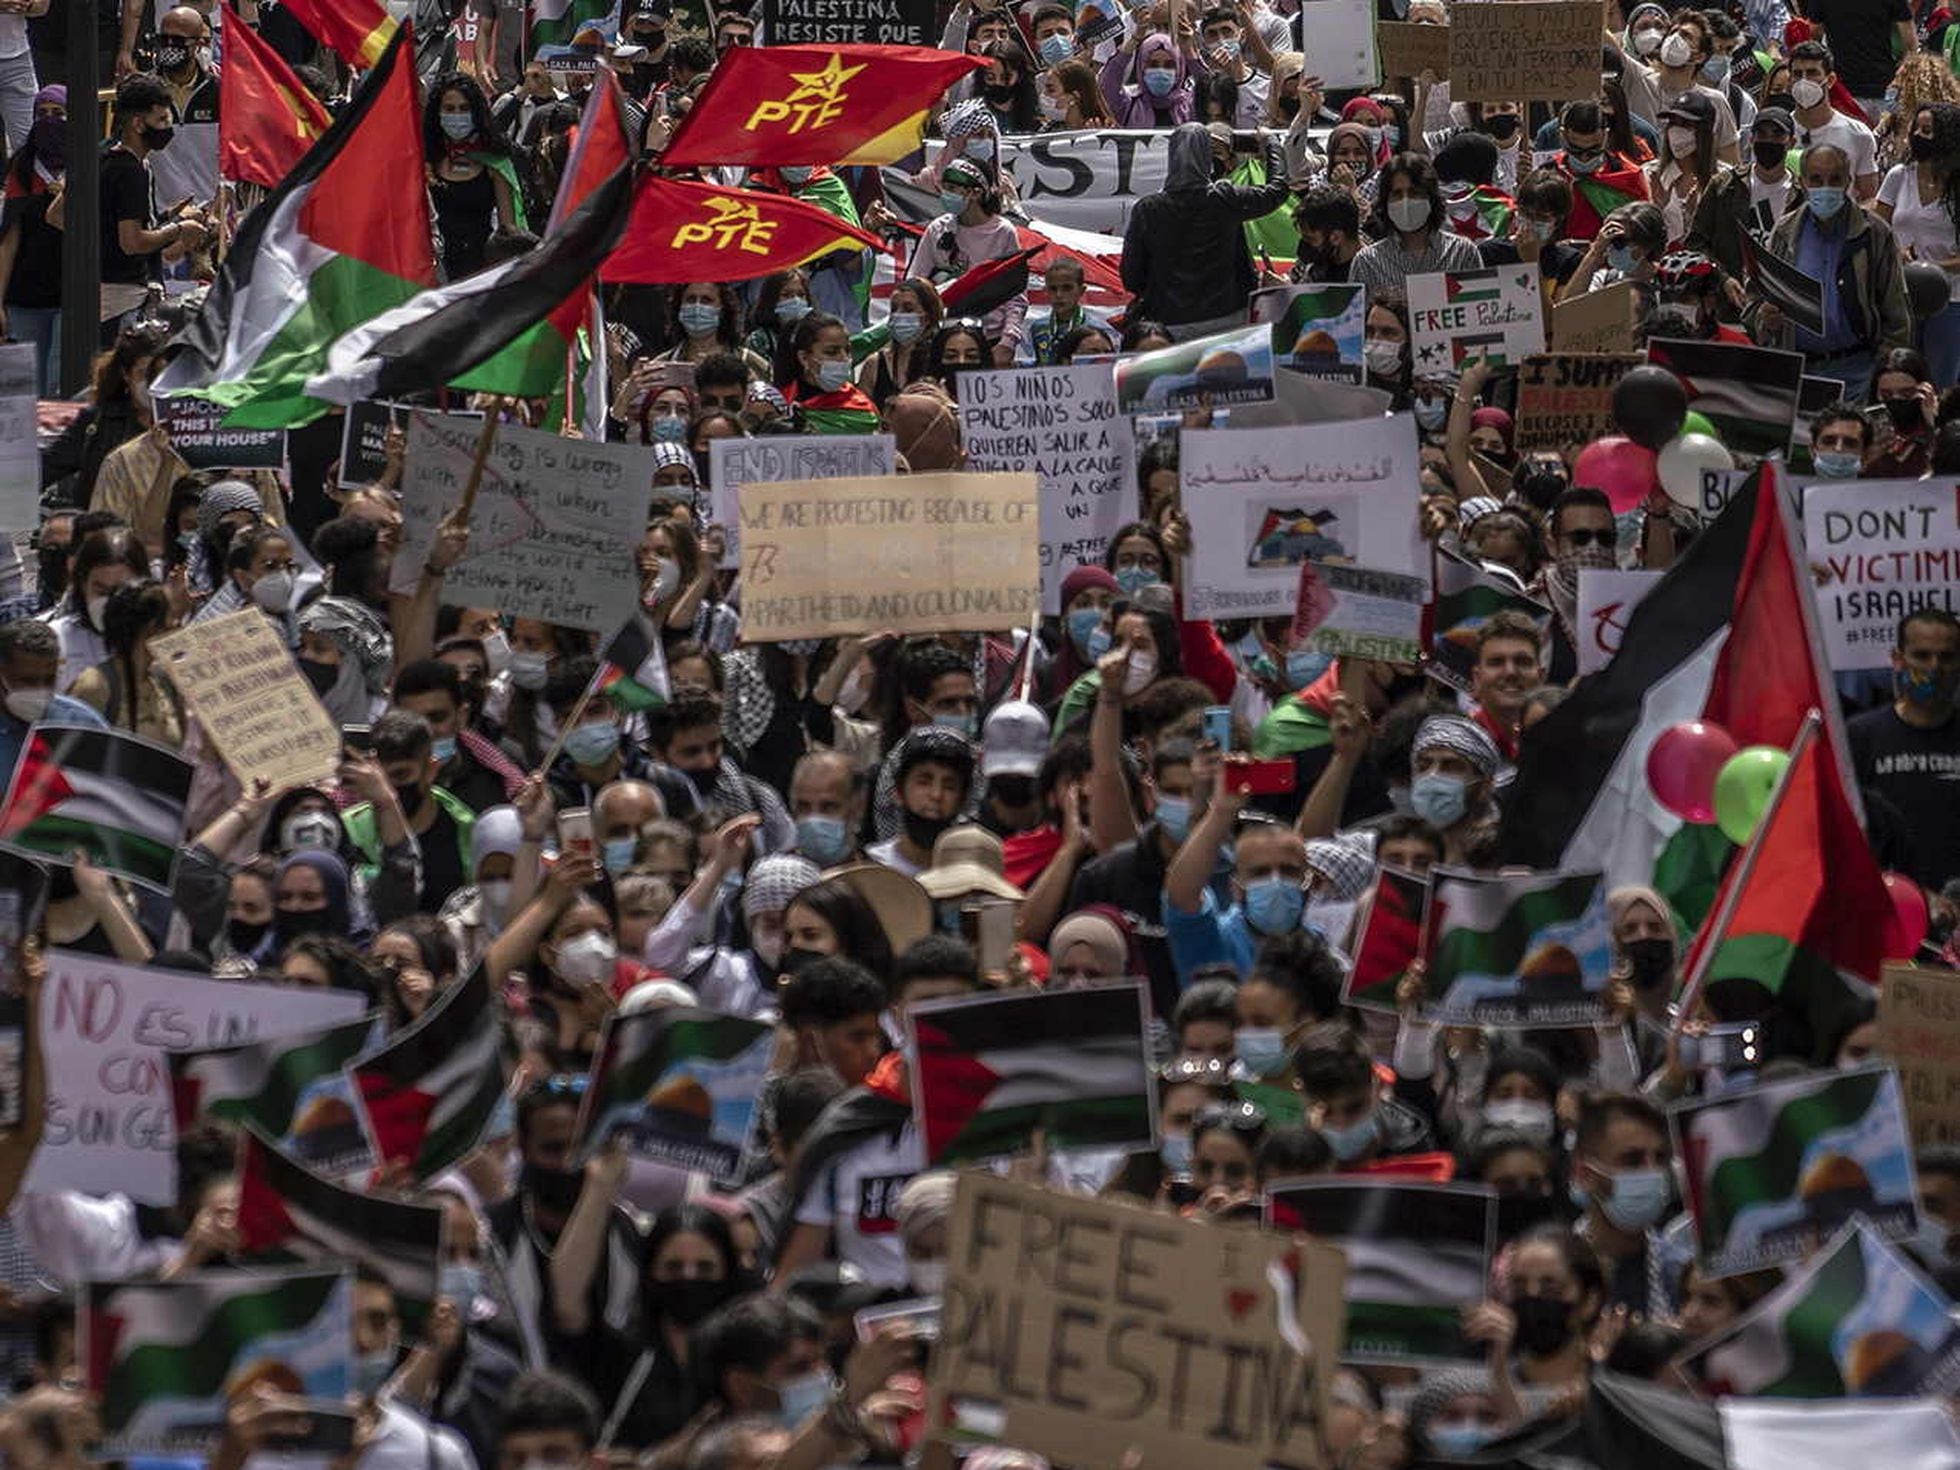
(1142,669)
(1384,358)
(1532,1119)
(529,669)
(665,580)
(1680,141)
(496,652)
(588,959)
(1675,50)
(1408,215)
(495,893)
(274,591)
(1807,92)
(29,705)
(95,607)
(853,692)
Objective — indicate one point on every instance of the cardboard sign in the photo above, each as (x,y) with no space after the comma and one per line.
(1352,612)
(1083,1326)
(197,433)
(913,553)
(1062,423)
(1879,549)
(241,682)
(1455,316)
(1343,33)
(733,463)
(555,527)
(1409,49)
(1228,367)
(1919,1030)
(849,22)
(104,1030)
(1606,600)
(1262,501)
(1320,331)
(1596,321)
(20,452)
(1525,51)
(1566,398)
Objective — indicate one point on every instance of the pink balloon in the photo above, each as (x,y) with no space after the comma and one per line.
(1910,918)
(1620,467)
(1682,765)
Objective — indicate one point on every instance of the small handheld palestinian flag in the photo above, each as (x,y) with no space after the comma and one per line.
(681,1084)
(989,1070)
(428,1094)
(1773,1171)
(118,798)
(633,666)
(291,1088)
(1531,949)
(1856,1322)
(1417,1255)
(164,1359)
(1391,939)
(288,1212)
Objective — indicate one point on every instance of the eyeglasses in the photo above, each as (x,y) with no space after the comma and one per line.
(1240,1117)
(1592,538)
(563,1084)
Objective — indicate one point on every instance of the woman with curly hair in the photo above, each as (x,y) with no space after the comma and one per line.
(1922,78)
(1920,200)
(472,173)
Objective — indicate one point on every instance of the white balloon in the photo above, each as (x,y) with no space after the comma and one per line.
(1681,461)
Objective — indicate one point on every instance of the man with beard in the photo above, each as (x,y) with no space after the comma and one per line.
(1581,535)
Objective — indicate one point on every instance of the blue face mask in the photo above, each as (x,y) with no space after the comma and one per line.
(1158,82)
(1459,1441)
(1174,816)
(982,148)
(462,1283)
(443,748)
(833,373)
(1133,579)
(959,724)
(1175,1151)
(1431,414)
(1825,203)
(1304,665)
(1098,644)
(371,1371)
(1438,799)
(1274,905)
(1928,689)
(1082,626)
(825,841)
(791,310)
(592,745)
(698,318)
(1621,258)
(1261,1050)
(1640,1198)
(669,428)
(617,853)
(1057,49)
(1837,464)
(1351,1142)
(801,1397)
(1715,70)
(950,202)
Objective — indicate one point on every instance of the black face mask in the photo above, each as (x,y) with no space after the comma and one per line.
(411,797)
(1544,1324)
(1013,791)
(244,936)
(54,572)
(795,961)
(1652,961)
(321,676)
(1922,147)
(157,139)
(555,1190)
(1289,106)
(1768,152)
(1907,414)
(1517,1213)
(923,831)
(170,58)
(1781,99)
(1503,127)
(1542,485)
(682,1302)
(291,924)
(703,781)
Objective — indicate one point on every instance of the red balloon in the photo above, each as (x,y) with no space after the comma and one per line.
(1910,917)
(1682,766)
(1620,467)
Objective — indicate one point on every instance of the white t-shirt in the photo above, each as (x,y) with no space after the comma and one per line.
(857,1198)
(1767,201)
(1926,227)
(1849,134)
(888,854)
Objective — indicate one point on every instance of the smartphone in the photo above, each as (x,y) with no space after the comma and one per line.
(575,832)
(1218,726)
(329,1431)
(357,739)
(988,925)
(1182,1190)
(1261,778)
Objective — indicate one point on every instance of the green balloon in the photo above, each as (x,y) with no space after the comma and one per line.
(1743,787)
(1696,423)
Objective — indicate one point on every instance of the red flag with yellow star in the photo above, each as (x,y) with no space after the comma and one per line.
(815,104)
(357,30)
(682,232)
(266,117)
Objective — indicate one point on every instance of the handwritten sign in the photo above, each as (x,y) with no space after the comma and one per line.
(555,525)
(1356,613)
(1525,51)
(1878,550)
(914,553)
(105,1028)
(1567,398)
(1075,1315)
(20,455)
(198,434)
(1919,1032)
(733,463)
(1262,501)
(1409,49)
(1455,316)
(1062,423)
(846,22)
(241,683)
(1595,321)
(1607,599)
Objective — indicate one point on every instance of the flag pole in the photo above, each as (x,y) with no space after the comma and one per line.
(565,421)
(484,441)
(1034,642)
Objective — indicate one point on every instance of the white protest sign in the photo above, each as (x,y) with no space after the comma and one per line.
(1062,423)
(1718,487)
(1879,549)
(1343,33)
(1455,316)
(1606,600)
(1262,501)
(555,525)
(733,463)
(105,1029)
(20,453)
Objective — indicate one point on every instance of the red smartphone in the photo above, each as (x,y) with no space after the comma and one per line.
(1261,778)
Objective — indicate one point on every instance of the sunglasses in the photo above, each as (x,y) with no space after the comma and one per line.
(1592,538)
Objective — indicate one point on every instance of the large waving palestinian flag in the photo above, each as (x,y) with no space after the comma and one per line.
(990,1070)
(1774,1170)
(163,1358)
(1518,949)
(1856,1322)
(345,238)
(117,797)
(1417,1255)
(290,1088)
(431,1090)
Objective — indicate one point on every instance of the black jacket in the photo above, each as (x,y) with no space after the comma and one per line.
(1177,241)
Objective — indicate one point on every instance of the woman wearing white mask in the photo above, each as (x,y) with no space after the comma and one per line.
(501,843)
(914,316)
(472,176)
(517,697)
(126,688)
(1385,350)
(1687,162)
(564,942)
(104,561)
(1408,224)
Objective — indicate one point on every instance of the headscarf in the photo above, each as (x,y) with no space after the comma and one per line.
(970,118)
(921,418)
(773,881)
(1494,418)
(927,1200)
(1285,64)
(1465,737)
(1067,665)
(220,499)
(54,92)
(367,654)
(1619,900)
(1100,932)
(1356,105)
(1134,107)
(769,393)
(1438,1391)
(666,453)
(498,829)
(1347,868)
(1350,130)
(338,883)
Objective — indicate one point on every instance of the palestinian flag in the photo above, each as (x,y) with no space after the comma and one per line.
(556,22)
(343,239)
(682,231)
(266,117)
(1417,1255)
(290,1088)
(1748,393)
(1467,593)
(1799,927)
(164,1358)
(1856,1322)
(431,1090)
(633,666)
(1518,949)
(681,1083)
(288,1212)
(117,797)
(1390,939)
(1730,636)
(878,1107)
(1460,287)
(828,105)
(1774,1170)
(358,31)
(1596,195)
(507,329)
(990,1070)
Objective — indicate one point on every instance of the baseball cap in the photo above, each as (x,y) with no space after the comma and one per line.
(1014,741)
(1775,120)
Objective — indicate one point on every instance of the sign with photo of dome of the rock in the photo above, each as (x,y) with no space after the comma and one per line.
(1318,330)
(1234,366)
(679,1085)
(1772,1171)
(1516,949)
